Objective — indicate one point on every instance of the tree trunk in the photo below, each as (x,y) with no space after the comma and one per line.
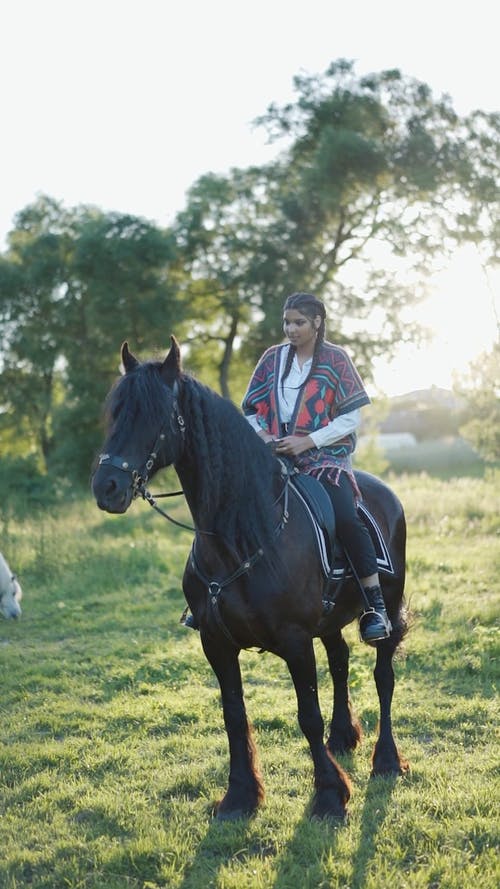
(227,357)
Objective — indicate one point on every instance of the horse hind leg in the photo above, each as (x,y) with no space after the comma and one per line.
(386,759)
(332,785)
(345,729)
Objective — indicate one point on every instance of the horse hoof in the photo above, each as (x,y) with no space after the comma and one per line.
(345,740)
(234,815)
(226,814)
(393,770)
(339,817)
(328,806)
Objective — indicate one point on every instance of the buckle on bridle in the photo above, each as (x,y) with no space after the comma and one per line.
(214,590)
(138,484)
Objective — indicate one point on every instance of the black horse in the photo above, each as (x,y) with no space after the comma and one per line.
(254,576)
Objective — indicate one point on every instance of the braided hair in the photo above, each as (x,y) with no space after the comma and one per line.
(311,307)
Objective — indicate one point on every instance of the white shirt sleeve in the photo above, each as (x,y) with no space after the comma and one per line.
(338,428)
(254,423)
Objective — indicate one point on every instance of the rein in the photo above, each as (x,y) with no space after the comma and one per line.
(152,498)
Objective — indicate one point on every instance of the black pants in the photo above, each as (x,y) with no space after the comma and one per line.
(351,530)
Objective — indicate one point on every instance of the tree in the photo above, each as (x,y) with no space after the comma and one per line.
(220,237)
(32,277)
(74,284)
(118,288)
(370,190)
(480,392)
(377,181)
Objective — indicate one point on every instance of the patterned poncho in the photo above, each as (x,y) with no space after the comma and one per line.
(333,388)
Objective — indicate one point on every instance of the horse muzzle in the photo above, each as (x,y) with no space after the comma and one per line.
(113,493)
(9,603)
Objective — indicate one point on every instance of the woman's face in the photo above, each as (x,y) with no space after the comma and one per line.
(299,329)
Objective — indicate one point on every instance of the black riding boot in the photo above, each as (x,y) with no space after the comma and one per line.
(374,623)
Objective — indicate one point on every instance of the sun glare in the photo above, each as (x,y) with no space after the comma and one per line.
(462,315)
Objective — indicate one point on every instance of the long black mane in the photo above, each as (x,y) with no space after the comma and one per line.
(234,467)
(225,468)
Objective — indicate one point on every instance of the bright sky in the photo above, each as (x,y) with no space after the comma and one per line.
(125,103)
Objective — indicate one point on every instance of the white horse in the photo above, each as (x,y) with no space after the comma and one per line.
(10,591)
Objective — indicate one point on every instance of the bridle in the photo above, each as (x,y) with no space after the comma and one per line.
(140,477)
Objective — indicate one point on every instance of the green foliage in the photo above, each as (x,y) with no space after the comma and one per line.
(220,236)
(372,160)
(25,490)
(481,414)
(113,745)
(368,455)
(74,284)
(369,161)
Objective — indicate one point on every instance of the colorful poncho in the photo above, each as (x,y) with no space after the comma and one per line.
(333,388)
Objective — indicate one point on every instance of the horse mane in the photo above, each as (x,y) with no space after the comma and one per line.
(5,575)
(230,469)
(233,468)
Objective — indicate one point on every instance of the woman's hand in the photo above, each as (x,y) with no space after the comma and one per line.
(293,445)
(266,436)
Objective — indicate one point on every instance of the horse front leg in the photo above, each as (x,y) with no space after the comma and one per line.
(386,759)
(345,729)
(332,786)
(245,790)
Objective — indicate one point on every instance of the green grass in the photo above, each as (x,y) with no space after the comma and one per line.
(113,748)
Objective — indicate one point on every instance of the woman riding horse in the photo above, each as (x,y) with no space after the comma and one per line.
(305,396)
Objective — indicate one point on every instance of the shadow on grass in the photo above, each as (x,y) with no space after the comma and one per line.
(236,845)
(378,796)
(308,859)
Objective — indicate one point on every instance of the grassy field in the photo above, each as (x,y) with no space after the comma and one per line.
(112,744)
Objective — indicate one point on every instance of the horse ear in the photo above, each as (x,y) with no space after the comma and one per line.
(129,361)
(171,367)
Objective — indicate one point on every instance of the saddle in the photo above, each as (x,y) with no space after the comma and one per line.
(319,507)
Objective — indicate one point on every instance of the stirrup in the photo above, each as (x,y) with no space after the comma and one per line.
(188,620)
(379,635)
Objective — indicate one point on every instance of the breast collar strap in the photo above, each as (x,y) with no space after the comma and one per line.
(215,587)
